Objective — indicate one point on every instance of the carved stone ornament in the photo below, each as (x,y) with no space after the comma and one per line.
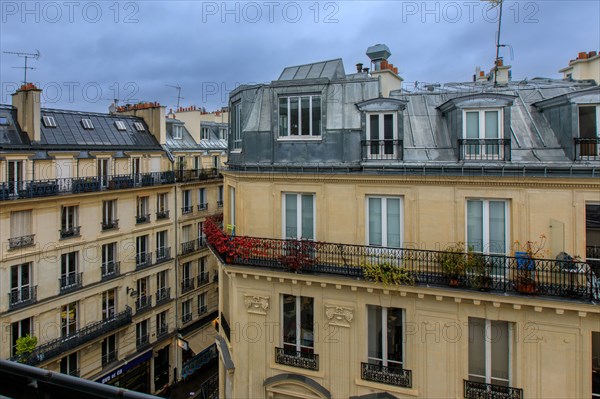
(339,316)
(257,304)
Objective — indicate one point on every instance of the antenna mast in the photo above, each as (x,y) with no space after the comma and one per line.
(35,56)
(498,45)
(178,88)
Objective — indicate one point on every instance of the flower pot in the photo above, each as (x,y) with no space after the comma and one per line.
(526,288)
(453,282)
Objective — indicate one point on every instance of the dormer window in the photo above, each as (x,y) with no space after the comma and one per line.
(49,121)
(300,116)
(205,133)
(177,131)
(236,125)
(382,136)
(589,130)
(222,133)
(120,125)
(482,134)
(139,126)
(87,124)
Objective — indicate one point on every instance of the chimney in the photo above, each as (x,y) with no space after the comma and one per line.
(27,102)
(501,73)
(382,69)
(585,67)
(359,67)
(154,116)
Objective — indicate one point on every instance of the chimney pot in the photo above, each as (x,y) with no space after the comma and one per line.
(592,54)
(359,67)
(582,55)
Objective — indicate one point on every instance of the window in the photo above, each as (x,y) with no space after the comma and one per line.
(162,244)
(69,278)
(202,303)
(142,287)
(139,126)
(232,207)
(109,349)
(161,280)
(143,209)
(87,124)
(68,319)
(68,365)
(108,304)
(15,175)
(21,283)
(595,365)
(205,133)
(120,125)
(186,311)
(202,273)
(222,133)
(109,215)
(68,223)
(162,203)
(489,351)
(386,342)
(20,229)
(161,323)
(49,121)
(487,226)
(299,216)
(384,221)
(142,254)
(201,237)
(300,116)
(202,204)
(177,132)
(180,165)
(382,133)
(186,233)
(109,259)
(187,282)
(482,131)
(298,323)
(220,196)
(19,329)
(215,159)
(186,204)
(197,163)
(589,130)
(103,170)
(136,168)
(236,125)
(141,333)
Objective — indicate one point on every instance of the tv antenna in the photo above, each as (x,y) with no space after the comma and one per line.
(35,56)
(498,3)
(178,88)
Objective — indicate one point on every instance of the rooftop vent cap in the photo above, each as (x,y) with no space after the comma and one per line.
(379,52)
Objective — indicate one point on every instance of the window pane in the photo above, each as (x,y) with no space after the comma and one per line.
(375,221)
(476,348)
(305,115)
(316,115)
(307,217)
(491,125)
(289,319)
(283,117)
(472,125)
(475,225)
(307,322)
(394,335)
(374,134)
(393,222)
(497,227)
(587,122)
(388,133)
(499,337)
(375,334)
(291,212)
(295,121)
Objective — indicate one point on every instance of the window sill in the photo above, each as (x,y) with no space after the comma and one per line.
(388,388)
(300,138)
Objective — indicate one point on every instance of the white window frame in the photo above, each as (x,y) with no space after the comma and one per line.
(482,150)
(87,124)
(103,170)
(236,123)
(106,253)
(298,215)
(108,312)
(162,202)
(298,316)
(139,126)
(205,133)
(120,125)
(311,135)
(68,218)
(384,338)
(109,211)
(49,121)
(186,199)
(488,351)
(384,199)
(486,223)
(15,180)
(143,206)
(597,127)
(381,135)
(68,267)
(68,320)
(177,132)
(20,286)
(232,206)
(202,198)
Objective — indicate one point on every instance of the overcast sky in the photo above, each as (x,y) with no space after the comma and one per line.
(92,52)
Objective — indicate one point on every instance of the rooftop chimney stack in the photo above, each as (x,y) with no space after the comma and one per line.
(585,67)
(153,114)
(382,69)
(27,102)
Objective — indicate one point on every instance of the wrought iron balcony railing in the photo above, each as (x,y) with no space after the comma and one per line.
(481,390)
(142,341)
(143,260)
(110,270)
(190,175)
(389,375)
(163,295)
(140,219)
(163,254)
(587,149)
(20,242)
(382,150)
(203,279)
(188,247)
(70,282)
(220,204)
(20,297)
(203,207)
(186,318)
(294,358)
(109,357)
(162,330)
(110,224)
(143,303)
(186,210)
(88,333)
(187,285)
(69,232)
(484,149)
(160,215)
(202,309)
(498,273)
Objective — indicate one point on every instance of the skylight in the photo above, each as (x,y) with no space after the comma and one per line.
(49,121)
(120,125)
(139,127)
(87,124)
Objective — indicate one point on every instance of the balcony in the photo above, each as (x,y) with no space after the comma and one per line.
(202,310)
(20,242)
(21,297)
(110,225)
(592,256)
(69,232)
(110,270)
(587,149)
(202,207)
(479,390)
(186,318)
(141,219)
(186,210)
(86,334)
(193,246)
(389,375)
(294,358)
(162,215)
(70,282)
(143,260)
(203,279)
(484,149)
(143,303)
(162,330)
(187,285)
(142,342)
(163,295)
(191,175)
(220,204)
(163,254)
(75,185)
(109,357)
(496,273)
(382,150)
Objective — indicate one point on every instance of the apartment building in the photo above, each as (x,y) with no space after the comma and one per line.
(381,243)
(90,242)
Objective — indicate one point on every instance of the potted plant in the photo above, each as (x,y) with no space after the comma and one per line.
(525,279)
(25,347)
(482,279)
(454,263)
(387,274)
